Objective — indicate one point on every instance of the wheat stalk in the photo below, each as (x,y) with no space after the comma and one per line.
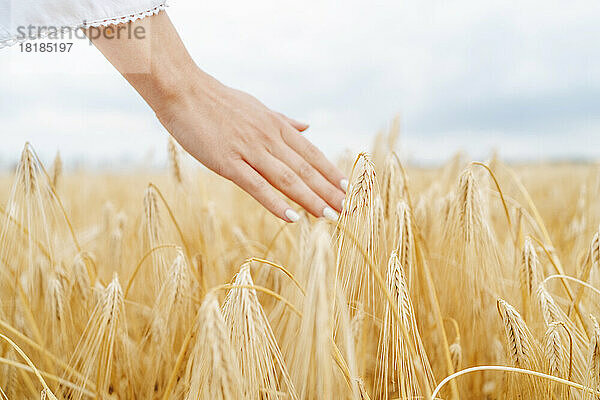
(57,170)
(358,224)
(175,162)
(395,363)
(261,361)
(213,369)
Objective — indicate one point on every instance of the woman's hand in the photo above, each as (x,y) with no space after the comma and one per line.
(227,130)
(236,136)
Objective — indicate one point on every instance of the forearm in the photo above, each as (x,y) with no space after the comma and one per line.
(153,60)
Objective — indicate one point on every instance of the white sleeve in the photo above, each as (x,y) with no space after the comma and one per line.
(18,16)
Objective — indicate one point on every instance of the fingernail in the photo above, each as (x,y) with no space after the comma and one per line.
(343,203)
(292,215)
(344,184)
(302,125)
(330,214)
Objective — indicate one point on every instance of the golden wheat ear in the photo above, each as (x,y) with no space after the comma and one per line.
(593,361)
(313,367)
(404,240)
(358,237)
(521,345)
(174,161)
(398,371)
(57,170)
(168,325)
(34,225)
(522,350)
(552,314)
(153,235)
(557,359)
(393,185)
(529,275)
(213,370)
(470,263)
(95,353)
(262,365)
(58,314)
(456,355)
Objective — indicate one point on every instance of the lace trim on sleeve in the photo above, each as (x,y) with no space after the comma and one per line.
(124,19)
(12,40)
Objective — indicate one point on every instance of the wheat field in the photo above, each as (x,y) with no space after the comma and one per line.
(473,280)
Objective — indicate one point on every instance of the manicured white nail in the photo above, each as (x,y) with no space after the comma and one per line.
(330,213)
(292,215)
(344,184)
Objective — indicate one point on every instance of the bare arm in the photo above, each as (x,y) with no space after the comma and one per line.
(227,130)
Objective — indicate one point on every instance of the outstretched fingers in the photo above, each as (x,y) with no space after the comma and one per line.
(291,164)
(314,157)
(284,179)
(333,195)
(246,177)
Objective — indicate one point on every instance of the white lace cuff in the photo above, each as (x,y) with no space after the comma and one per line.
(21,20)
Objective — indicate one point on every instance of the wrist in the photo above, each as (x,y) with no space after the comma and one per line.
(159,67)
(180,90)
(169,83)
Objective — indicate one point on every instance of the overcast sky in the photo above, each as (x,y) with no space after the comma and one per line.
(519,76)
